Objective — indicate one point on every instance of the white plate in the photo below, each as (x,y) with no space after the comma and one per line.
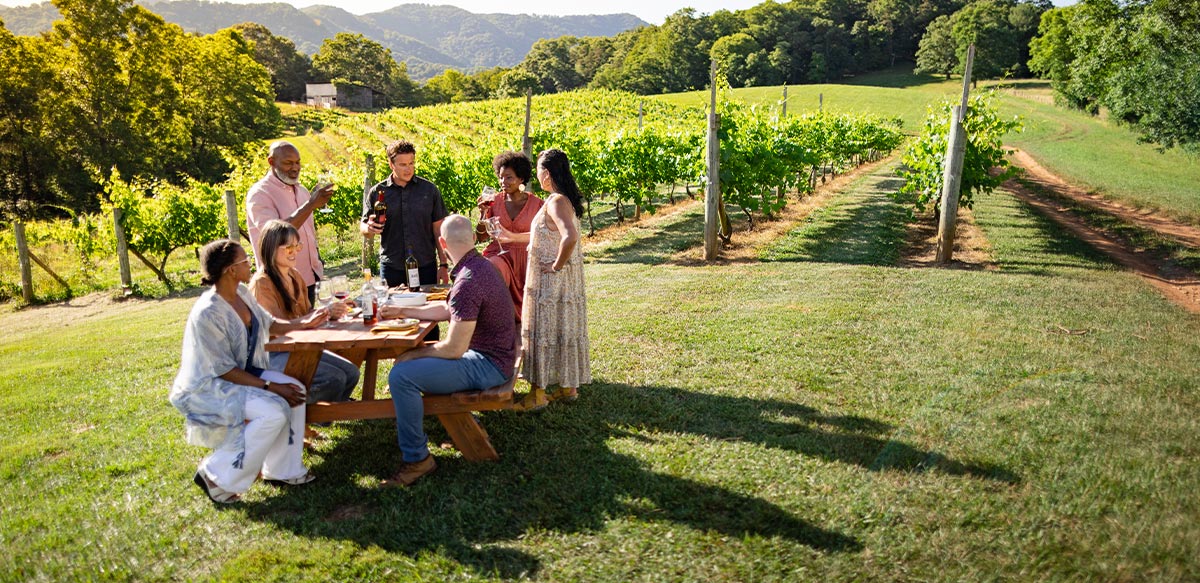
(406,299)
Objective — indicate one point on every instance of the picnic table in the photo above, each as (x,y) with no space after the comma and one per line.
(354,341)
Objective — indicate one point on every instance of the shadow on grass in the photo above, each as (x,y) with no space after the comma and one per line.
(899,77)
(656,245)
(1043,245)
(560,473)
(1027,84)
(866,231)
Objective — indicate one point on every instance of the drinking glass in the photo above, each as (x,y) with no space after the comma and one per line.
(493,228)
(488,195)
(325,300)
(323,179)
(381,288)
(341,287)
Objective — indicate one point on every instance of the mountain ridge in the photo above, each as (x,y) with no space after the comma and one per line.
(428,38)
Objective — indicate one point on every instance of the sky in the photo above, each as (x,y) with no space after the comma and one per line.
(652,11)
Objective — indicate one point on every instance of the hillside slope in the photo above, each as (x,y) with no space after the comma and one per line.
(428,38)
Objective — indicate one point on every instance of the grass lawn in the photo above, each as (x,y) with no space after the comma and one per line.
(821,414)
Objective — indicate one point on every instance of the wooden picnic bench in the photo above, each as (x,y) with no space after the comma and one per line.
(355,342)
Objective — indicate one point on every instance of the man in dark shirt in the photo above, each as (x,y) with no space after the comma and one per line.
(415,210)
(479,351)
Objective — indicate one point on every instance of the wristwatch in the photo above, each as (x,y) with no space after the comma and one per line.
(444,265)
(266,385)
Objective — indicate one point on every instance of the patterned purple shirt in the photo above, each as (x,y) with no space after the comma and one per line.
(480,294)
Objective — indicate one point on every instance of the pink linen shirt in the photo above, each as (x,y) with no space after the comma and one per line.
(269,199)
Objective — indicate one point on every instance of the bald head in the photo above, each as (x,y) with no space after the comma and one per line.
(280,146)
(284,159)
(457,236)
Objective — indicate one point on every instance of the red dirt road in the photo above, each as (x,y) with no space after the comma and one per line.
(1177,284)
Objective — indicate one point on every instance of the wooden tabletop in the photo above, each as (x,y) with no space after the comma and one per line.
(348,335)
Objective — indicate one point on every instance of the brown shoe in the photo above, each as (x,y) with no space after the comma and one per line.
(410,472)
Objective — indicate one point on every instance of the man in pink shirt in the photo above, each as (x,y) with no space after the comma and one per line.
(279,195)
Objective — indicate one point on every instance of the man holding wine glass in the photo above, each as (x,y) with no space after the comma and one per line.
(280,196)
(406,211)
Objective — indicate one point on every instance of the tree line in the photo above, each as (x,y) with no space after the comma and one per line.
(801,41)
(1139,60)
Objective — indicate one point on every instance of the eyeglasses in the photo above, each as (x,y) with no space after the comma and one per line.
(294,247)
(236,263)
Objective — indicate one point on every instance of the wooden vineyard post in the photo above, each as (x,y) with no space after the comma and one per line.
(952,173)
(23,260)
(639,115)
(122,251)
(231,218)
(712,193)
(368,243)
(783,115)
(526,143)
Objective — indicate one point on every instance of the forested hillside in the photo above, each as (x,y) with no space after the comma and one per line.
(428,38)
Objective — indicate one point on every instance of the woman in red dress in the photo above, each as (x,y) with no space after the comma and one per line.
(515,207)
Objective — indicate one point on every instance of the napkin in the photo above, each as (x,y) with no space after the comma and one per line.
(402,325)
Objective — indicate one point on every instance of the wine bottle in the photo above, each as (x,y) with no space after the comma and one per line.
(414,275)
(380,209)
(367,299)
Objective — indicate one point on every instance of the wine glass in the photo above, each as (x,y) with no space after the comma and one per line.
(341,287)
(494,229)
(325,299)
(323,179)
(485,200)
(381,288)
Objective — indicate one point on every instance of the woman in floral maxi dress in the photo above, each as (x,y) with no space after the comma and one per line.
(554,336)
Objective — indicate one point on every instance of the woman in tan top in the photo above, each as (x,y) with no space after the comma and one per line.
(279,288)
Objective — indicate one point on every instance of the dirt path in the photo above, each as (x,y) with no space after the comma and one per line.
(1184,233)
(1177,284)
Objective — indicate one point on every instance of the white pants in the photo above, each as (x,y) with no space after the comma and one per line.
(267,449)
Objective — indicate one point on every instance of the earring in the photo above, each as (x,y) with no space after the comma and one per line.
(522,187)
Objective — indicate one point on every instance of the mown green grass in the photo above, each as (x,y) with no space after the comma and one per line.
(821,415)
(1101,156)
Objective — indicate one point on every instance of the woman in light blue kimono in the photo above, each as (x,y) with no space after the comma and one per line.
(252,418)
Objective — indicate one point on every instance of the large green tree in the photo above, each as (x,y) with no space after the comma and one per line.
(29,164)
(742,60)
(288,67)
(121,108)
(999,29)
(1140,60)
(354,58)
(228,98)
(938,51)
(986,24)
(113,90)
(549,60)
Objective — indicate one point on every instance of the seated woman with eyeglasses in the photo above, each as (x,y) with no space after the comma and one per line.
(249,415)
(279,288)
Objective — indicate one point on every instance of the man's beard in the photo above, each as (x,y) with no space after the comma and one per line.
(285,178)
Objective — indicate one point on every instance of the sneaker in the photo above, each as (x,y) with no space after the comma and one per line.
(410,472)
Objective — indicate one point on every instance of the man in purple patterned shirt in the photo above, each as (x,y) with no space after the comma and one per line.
(479,351)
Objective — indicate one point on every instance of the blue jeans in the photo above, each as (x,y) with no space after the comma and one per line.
(334,380)
(434,376)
